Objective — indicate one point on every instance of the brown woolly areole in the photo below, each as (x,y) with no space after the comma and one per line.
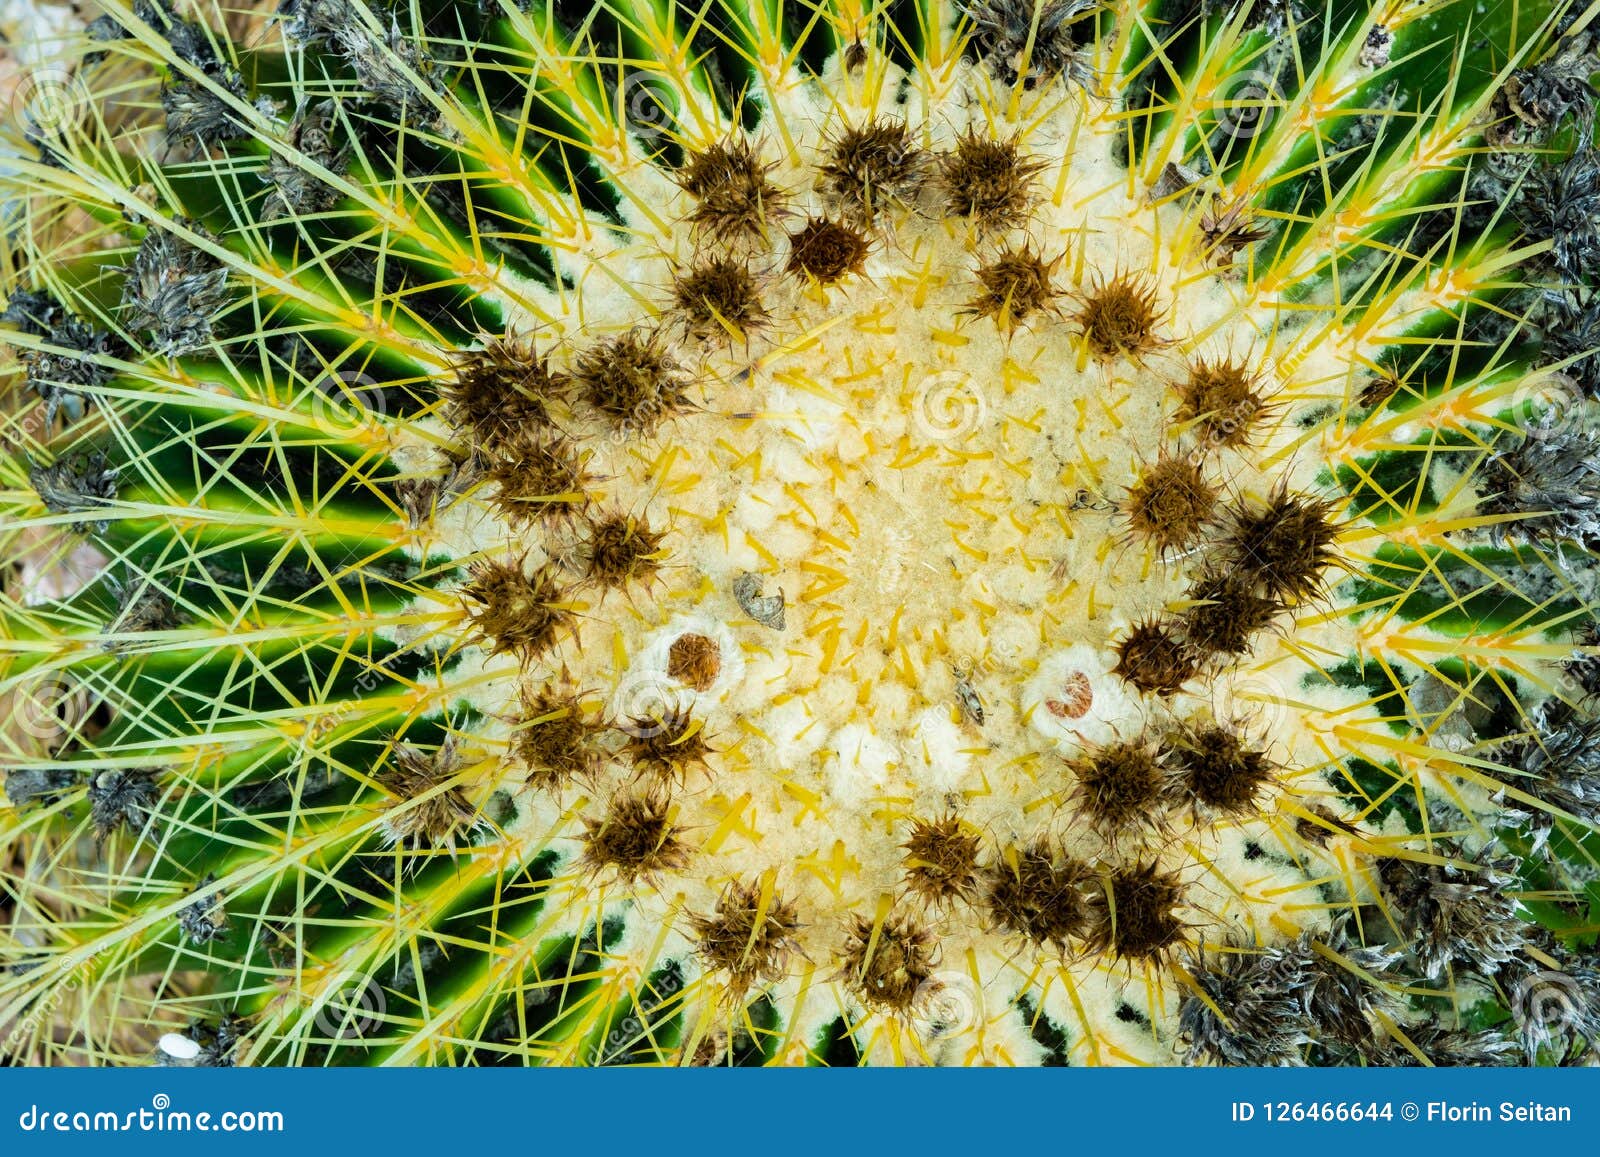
(694,660)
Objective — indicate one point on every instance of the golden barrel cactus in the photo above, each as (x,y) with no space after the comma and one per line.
(801,532)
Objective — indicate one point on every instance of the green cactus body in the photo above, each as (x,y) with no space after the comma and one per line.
(808,533)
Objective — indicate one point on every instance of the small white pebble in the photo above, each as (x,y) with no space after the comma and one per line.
(178,1047)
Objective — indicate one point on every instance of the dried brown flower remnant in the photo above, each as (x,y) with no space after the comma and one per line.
(941,859)
(502,391)
(1223,399)
(1171,503)
(1015,285)
(666,747)
(732,193)
(989,182)
(888,963)
(1136,914)
(719,296)
(621,550)
(866,169)
(1284,543)
(430,809)
(636,838)
(538,479)
(1155,659)
(633,380)
(750,936)
(1226,614)
(1039,894)
(514,610)
(827,250)
(1216,768)
(1120,788)
(555,738)
(1118,316)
